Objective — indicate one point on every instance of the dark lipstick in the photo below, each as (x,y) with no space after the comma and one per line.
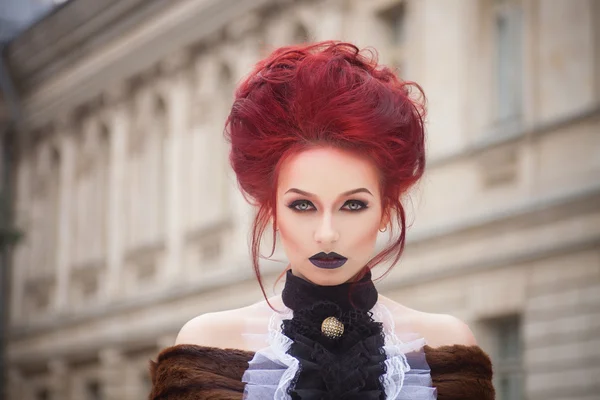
(328,260)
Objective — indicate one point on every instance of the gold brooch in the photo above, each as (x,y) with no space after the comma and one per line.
(332,328)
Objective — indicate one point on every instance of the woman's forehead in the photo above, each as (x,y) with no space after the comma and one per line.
(327,168)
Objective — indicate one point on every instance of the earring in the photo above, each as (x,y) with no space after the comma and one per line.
(384,229)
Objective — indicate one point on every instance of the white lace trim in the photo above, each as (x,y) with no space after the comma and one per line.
(280,344)
(258,385)
(271,370)
(396,363)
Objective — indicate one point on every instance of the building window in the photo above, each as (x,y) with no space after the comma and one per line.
(507,23)
(394,19)
(90,193)
(507,357)
(43,212)
(146,174)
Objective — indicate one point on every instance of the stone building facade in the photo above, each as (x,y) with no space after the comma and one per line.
(134,223)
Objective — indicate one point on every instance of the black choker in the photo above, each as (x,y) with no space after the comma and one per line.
(339,347)
(299,294)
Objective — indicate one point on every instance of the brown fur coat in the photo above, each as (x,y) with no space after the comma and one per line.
(189,372)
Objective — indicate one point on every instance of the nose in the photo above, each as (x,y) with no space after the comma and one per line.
(325,233)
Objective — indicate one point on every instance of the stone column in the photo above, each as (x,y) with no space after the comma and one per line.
(531,61)
(65,213)
(22,252)
(117,122)
(531,96)
(113,375)
(59,379)
(177,108)
(595,11)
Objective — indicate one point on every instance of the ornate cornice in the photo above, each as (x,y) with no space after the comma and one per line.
(111,42)
(72,31)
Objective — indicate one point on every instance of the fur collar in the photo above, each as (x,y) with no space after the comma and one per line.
(190,372)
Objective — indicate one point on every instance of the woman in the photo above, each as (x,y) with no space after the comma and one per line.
(324,142)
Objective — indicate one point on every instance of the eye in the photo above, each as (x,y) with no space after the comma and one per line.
(355,205)
(305,206)
(301,205)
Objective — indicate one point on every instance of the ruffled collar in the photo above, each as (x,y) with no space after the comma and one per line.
(300,294)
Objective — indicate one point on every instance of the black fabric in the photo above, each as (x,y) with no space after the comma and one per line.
(347,368)
(299,293)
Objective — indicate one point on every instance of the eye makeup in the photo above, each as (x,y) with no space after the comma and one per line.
(298,204)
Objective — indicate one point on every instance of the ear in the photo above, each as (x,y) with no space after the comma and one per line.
(385,218)
(272,221)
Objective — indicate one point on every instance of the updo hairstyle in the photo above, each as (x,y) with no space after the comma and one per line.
(325,94)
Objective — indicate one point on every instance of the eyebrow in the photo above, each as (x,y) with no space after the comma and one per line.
(348,193)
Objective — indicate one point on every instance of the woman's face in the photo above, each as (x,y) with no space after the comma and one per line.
(328,201)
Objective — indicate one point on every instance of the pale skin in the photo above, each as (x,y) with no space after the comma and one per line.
(328,200)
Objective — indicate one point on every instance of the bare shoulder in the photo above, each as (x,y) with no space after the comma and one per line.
(445,330)
(224,329)
(217,329)
(437,329)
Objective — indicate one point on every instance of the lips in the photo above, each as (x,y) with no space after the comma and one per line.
(328,261)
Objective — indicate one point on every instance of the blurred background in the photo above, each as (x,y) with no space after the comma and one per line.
(121,219)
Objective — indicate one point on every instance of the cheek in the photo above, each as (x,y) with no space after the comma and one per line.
(368,236)
(365,237)
(290,233)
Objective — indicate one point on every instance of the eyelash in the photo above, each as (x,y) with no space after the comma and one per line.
(293,205)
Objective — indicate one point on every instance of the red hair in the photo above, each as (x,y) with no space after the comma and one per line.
(325,94)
